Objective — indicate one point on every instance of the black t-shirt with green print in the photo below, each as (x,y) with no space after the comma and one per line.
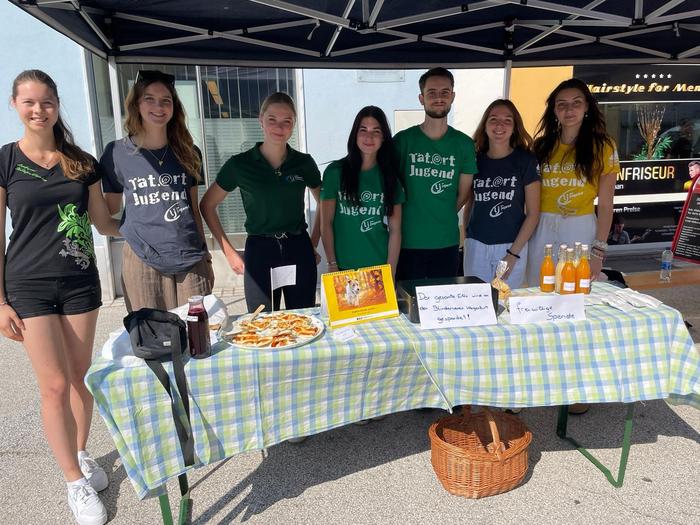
(51,232)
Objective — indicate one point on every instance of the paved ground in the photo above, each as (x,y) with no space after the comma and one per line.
(379,473)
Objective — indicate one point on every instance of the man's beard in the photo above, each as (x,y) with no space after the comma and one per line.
(438,114)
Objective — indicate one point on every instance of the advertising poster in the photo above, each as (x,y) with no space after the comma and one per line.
(646,222)
(686,244)
(653,113)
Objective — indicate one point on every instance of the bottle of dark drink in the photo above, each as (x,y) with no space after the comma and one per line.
(198,328)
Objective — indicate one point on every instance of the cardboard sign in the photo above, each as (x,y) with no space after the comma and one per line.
(553,308)
(453,305)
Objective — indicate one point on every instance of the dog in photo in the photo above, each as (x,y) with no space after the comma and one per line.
(352,291)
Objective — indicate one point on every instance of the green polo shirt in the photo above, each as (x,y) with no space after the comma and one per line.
(430,171)
(273,199)
(360,234)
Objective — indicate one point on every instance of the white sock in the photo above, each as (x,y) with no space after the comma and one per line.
(82,454)
(77,482)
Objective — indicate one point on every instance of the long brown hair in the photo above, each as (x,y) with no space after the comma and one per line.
(75,163)
(179,138)
(591,139)
(520,137)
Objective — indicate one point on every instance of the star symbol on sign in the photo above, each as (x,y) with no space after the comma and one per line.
(637,75)
(653,76)
(668,76)
(646,76)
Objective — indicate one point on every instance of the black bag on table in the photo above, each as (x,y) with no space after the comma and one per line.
(158,336)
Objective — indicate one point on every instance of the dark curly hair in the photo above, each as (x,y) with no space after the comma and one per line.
(591,139)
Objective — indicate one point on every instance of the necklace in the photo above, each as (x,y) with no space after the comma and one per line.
(48,161)
(160,160)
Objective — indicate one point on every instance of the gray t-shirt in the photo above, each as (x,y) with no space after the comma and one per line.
(499,196)
(158,222)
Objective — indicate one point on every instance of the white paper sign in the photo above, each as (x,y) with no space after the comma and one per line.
(283,276)
(551,308)
(451,305)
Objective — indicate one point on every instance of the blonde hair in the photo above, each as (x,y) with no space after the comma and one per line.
(75,163)
(278,98)
(179,138)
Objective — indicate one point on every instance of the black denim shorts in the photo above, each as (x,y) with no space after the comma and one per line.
(54,295)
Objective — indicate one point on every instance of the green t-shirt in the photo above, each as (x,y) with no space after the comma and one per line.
(430,170)
(360,233)
(273,199)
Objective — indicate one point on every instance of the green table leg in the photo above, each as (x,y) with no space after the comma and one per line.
(165,511)
(626,443)
(185,503)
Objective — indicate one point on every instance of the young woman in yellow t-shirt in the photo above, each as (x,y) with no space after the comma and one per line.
(578,162)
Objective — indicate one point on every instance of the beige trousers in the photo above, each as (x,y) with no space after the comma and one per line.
(145,287)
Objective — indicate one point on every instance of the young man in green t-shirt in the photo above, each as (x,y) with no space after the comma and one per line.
(437,163)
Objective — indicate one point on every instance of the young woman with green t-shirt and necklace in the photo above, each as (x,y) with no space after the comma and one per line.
(272,178)
(361,198)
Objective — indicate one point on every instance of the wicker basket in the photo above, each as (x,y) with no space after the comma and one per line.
(478,455)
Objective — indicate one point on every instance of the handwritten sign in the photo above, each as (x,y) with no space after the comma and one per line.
(454,305)
(551,307)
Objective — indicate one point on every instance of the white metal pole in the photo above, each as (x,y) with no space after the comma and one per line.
(506,78)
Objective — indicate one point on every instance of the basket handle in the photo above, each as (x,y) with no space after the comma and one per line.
(498,446)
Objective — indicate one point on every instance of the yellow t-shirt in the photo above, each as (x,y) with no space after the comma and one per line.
(565,193)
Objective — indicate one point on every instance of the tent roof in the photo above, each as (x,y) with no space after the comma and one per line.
(379,33)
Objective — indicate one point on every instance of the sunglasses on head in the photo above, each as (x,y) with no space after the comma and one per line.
(150,75)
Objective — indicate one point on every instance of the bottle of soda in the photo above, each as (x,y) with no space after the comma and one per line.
(561,260)
(568,274)
(583,272)
(577,253)
(198,328)
(666,263)
(547,270)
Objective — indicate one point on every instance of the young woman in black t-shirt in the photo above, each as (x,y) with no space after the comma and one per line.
(50,291)
(506,205)
(157,168)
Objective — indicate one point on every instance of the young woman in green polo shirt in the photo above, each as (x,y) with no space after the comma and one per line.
(272,178)
(361,196)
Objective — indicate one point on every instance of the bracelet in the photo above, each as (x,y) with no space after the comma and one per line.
(332,263)
(513,254)
(595,249)
(601,245)
(597,256)
(4,302)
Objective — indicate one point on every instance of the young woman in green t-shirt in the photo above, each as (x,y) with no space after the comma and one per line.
(361,198)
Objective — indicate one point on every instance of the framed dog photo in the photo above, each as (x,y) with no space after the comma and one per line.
(355,296)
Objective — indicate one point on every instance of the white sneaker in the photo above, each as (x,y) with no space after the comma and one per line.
(86,505)
(95,474)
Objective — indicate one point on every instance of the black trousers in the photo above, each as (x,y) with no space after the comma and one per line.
(263,253)
(428,263)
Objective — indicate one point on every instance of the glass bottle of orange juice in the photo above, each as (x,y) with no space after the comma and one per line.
(547,278)
(568,274)
(561,260)
(577,253)
(583,272)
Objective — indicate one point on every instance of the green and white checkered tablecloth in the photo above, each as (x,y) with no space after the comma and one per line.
(243,400)
(611,357)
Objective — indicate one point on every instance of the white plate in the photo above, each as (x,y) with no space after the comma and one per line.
(301,340)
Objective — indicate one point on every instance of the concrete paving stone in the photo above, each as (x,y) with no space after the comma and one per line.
(378,473)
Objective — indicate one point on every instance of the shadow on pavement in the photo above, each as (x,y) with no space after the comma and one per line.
(288,470)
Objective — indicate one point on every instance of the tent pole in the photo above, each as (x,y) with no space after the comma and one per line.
(116,99)
(506,78)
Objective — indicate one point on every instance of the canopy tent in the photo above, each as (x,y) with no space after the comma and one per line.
(379,33)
